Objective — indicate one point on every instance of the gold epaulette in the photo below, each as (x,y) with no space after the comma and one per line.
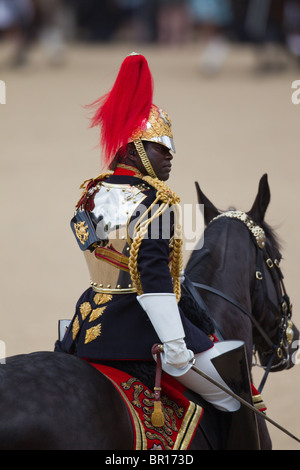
(90,183)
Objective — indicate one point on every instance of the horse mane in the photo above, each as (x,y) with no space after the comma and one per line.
(272,237)
(193,264)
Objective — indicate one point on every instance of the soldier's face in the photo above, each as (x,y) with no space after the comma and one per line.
(160,159)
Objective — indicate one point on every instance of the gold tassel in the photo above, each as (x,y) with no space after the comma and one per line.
(157,417)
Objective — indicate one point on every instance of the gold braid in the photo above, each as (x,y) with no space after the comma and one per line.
(177,258)
(167,198)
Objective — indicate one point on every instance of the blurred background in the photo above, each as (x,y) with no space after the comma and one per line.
(223,70)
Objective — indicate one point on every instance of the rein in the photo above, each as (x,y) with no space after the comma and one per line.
(239,306)
(254,321)
(285,326)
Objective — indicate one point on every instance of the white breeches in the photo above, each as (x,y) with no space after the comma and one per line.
(210,392)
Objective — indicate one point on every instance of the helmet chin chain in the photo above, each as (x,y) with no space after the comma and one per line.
(144,157)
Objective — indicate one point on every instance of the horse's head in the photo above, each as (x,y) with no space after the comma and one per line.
(275,338)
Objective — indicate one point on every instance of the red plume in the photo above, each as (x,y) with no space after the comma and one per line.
(124,109)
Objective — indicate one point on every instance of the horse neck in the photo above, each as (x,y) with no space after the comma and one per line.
(226,262)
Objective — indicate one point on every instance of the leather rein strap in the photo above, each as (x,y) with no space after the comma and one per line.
(260,239)
(239,306)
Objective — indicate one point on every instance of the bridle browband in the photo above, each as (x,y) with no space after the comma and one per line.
(284,307)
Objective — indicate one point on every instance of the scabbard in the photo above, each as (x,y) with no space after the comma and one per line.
(243,402)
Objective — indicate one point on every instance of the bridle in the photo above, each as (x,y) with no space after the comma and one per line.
(282,311)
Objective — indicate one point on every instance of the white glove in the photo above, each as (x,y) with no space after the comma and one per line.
(163,312)
(176,353)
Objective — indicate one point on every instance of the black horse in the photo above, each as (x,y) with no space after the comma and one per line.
(238,276)
(57,401)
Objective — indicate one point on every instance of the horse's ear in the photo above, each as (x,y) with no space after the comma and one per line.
(210,211)
(262,200)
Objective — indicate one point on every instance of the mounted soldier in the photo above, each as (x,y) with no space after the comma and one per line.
(127,224)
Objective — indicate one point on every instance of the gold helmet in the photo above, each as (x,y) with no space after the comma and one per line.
(158,129)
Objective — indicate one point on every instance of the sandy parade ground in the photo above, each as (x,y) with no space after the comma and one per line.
(229,129)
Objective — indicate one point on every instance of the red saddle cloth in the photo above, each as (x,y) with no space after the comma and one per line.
(182,416)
